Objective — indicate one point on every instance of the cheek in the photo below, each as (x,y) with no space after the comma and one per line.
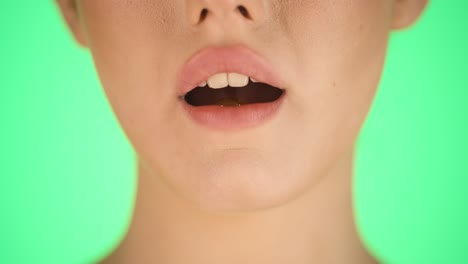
(135,48)
(339,53)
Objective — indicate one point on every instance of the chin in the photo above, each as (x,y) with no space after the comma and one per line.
(236,180)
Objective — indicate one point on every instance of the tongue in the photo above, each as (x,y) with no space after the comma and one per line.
(229,101)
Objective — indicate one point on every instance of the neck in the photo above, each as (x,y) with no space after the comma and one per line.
(317,227)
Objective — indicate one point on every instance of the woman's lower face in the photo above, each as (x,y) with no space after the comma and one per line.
(285,86)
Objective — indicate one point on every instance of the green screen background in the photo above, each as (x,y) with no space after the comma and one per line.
(67,172)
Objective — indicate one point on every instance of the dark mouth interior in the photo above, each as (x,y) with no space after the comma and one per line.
(253,93)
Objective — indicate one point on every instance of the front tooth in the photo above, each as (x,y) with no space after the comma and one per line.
(218,81)
(237,80)
(253,80)
(203,84)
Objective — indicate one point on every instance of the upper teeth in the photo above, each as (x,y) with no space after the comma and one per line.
(222,80)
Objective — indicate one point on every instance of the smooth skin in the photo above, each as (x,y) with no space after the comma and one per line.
(276,193)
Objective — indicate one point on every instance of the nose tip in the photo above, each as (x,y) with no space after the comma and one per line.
(203,9)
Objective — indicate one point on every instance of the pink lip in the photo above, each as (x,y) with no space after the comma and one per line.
(238,59)
(211,61)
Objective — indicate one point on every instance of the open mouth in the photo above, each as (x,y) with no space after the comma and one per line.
(232,90)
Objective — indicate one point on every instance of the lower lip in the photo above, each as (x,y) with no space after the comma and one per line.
(233,117)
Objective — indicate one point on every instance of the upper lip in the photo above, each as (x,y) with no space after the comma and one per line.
(238,59)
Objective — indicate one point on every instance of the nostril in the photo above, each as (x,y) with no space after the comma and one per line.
(203,15)
(244,12)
